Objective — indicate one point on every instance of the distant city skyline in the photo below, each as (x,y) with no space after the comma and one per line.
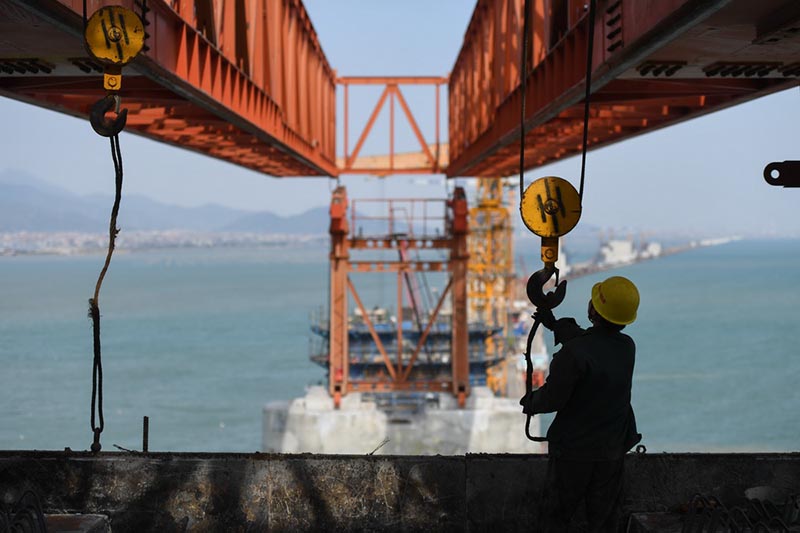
(702,176)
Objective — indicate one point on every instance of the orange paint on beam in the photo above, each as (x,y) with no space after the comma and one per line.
(255,66)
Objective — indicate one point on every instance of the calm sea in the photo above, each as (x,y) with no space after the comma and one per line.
(199,340)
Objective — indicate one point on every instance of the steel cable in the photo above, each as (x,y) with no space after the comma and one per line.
(24,516)
(523,74)
(529,380)
(589,59)
(523,88)
(523,70)
(94,305)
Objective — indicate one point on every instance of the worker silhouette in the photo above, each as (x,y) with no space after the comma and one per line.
(589,386)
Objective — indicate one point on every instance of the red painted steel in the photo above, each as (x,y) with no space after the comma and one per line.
(422,227)
(242,81)
(365,315)
(458,228)
(338,340)
(431,161)
(656,63)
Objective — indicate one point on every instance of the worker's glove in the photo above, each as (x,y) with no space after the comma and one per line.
(545,317)
(527,403)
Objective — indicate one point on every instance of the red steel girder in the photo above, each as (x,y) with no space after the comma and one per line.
(387,165)
(397,373)
(622,110)
(251,73)
(664,61)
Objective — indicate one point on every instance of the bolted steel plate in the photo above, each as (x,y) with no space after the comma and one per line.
(550,207)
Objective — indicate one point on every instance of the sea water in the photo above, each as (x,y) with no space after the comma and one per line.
(199,340)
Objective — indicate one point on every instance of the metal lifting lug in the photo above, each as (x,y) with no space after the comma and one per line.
(105,126)
(785,173)
(535,289)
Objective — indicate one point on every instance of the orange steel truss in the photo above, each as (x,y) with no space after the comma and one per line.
(655,63)
(430,160)
(400,238)
(246,82)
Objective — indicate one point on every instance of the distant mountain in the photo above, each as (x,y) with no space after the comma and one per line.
(142,213)
(314,220)
(30,204)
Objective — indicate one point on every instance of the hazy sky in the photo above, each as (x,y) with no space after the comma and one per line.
(703,175)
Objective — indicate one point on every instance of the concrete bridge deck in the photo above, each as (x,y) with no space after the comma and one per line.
(270,492)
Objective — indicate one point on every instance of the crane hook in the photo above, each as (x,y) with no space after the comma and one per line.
(105,126)
(535,289)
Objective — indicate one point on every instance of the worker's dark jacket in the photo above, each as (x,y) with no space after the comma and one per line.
(590,386)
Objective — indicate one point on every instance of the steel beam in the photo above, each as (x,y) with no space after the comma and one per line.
(427,161)
(658,49)
(459,256)
(397,373)
(256,66)
(338,348)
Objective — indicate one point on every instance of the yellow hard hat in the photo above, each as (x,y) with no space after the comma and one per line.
(616,299)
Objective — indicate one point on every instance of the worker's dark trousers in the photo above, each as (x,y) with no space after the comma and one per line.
(569,482)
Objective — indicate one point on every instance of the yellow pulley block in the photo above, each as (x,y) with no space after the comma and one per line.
(114,36)
(550,208)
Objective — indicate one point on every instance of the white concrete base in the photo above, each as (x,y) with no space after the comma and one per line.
(310,424)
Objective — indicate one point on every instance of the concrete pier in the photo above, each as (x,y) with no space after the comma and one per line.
(261,492)
(487,424)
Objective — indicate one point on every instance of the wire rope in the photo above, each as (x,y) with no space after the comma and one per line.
(96,415)
(523,87)
(587,95)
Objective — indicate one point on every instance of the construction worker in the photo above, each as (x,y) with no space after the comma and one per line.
(589,387)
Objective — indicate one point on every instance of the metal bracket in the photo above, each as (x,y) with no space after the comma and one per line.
(784,173)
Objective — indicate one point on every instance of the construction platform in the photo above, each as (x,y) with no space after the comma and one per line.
(433,425)
(269,492)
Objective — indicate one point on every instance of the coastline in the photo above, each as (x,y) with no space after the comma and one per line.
(78,243)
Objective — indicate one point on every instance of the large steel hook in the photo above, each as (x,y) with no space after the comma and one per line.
(105,126)
(535,289)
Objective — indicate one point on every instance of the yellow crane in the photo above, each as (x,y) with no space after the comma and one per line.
(490,278)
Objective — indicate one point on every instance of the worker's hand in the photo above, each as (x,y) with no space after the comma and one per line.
(545,317)
(525,402)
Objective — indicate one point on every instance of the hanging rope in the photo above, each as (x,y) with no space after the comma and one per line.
(523,73)
(94,306)
(529,380)
(589,55)
(523,85)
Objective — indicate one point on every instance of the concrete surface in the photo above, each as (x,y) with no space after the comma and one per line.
(265,492)
(310,424)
